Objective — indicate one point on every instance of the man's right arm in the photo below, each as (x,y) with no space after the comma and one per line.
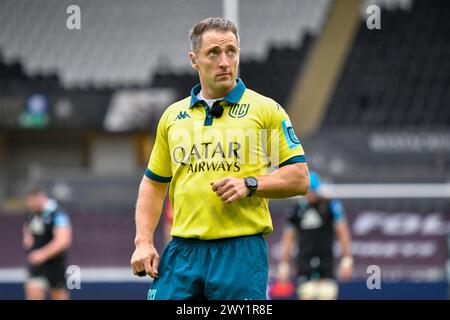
(342,231)
(145,258)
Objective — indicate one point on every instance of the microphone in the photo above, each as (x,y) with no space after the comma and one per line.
(216,111)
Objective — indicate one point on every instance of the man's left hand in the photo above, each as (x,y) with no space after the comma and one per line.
(230,189)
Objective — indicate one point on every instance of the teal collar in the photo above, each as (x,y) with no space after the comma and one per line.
(233,97)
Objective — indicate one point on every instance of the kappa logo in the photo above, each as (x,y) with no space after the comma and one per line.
(182,115)
(239,110)
(151,294)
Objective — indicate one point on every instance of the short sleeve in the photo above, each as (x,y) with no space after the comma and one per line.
(159,164)
(337,210)
(61,219)
(283,145)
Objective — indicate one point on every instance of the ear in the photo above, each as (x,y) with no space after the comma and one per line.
(193,60)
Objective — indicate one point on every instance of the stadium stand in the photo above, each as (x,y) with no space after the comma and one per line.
(43,43)
(397,77)
(388,116)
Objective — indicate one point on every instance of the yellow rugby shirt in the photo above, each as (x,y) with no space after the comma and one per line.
(192,149)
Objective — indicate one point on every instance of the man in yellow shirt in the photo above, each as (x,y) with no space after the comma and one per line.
(226,150)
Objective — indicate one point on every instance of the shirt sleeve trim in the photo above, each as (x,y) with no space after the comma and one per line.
(151,175)
(296,159)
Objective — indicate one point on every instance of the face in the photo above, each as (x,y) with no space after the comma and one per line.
(217,62)
(35,202)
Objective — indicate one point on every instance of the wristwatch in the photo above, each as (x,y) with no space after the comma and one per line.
(252,184)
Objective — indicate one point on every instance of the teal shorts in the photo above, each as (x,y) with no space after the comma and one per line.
(227,269)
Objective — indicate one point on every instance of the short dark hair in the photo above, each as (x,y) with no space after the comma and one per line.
(216,23)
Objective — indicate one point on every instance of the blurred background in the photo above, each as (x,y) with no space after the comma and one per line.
(79,108)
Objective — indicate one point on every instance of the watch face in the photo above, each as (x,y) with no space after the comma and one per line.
(251,182)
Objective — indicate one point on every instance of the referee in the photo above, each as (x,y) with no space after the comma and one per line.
(226,150)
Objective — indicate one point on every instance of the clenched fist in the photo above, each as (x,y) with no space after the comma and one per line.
(230,189)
